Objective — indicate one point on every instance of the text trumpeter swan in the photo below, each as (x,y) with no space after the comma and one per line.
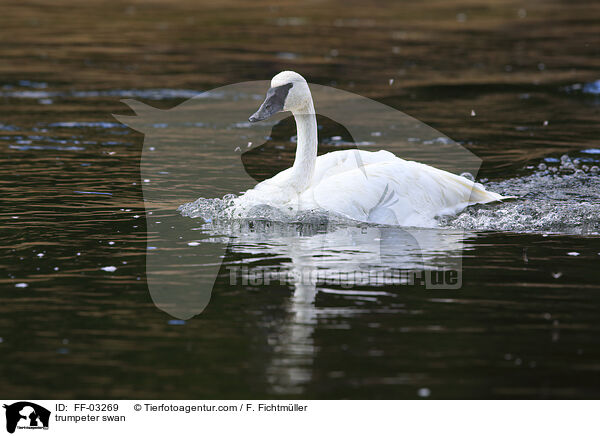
(384,189)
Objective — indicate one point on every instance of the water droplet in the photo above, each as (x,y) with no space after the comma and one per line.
(424,392)
(109,268)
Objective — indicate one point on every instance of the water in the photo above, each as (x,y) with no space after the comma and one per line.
(78,320)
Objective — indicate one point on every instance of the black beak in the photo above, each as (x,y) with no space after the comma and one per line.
(274,102)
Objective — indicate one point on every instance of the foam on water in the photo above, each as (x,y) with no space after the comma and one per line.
(559,198)
(220,210)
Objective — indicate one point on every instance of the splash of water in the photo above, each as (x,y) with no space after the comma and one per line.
(221,211)
(561,196)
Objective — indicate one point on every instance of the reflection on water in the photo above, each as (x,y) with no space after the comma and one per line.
(320,258)
(77,319)
(347,248)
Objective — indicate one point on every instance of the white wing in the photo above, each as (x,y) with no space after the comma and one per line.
(382,188)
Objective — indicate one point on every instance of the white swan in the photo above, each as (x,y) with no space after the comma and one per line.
(384,189)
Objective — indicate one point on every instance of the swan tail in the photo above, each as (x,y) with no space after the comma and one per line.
(471,192)
(480,195)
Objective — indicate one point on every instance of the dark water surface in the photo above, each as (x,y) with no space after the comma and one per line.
(525,322)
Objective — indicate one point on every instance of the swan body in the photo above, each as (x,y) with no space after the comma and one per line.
(374,187)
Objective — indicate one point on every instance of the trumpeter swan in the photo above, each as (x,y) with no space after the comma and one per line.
(383,189)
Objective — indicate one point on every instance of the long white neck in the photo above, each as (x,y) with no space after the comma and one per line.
(306,150)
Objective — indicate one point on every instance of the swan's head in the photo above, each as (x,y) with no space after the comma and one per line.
(289,92)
